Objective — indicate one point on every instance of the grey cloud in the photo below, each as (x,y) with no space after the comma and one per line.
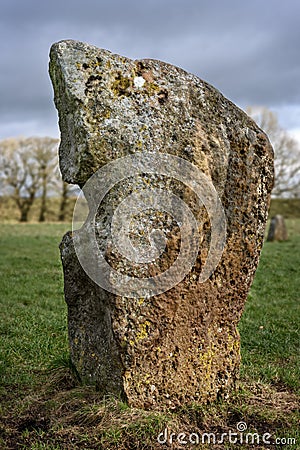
(248,50)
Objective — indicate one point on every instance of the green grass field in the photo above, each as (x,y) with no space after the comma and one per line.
(44,407)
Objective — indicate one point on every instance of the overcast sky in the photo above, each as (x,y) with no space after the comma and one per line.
(249,50)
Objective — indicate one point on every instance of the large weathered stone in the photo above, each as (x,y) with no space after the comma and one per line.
(182,344)
(277,230)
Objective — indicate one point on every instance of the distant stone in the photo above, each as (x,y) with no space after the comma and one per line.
(138,328)
(277,229)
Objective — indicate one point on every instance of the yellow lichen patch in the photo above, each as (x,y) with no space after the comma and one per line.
(122,85)
(217,353)
(147,379)
(143,331)
(206,360)
(107,114)
(151,88)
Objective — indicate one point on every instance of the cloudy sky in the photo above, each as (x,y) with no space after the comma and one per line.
(250,51)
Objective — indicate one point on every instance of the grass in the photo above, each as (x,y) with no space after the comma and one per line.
(270,326)
(32,313)
(43,405)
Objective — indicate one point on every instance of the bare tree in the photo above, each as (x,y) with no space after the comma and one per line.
(64,191)
(19,173)
(286,149)
(45,154)
(26,169)
(64,200)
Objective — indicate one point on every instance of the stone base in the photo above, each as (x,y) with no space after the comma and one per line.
(160,352)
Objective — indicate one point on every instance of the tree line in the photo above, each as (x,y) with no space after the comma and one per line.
(286,153)
(29,170)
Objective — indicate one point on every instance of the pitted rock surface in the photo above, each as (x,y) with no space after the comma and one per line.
(181,345)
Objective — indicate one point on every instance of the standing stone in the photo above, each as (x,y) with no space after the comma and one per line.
(181,344)
(277,229)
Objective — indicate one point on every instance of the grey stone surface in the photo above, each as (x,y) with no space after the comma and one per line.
(181,345)
(277,230)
